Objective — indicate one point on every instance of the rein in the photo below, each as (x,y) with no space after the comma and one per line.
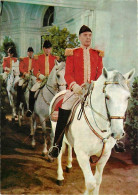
(111,117)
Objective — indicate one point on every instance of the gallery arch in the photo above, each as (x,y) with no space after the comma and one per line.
(25,23)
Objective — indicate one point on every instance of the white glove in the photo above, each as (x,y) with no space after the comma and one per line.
(6,68)
(26,76)
(41,77)
(4,75)
(77,89)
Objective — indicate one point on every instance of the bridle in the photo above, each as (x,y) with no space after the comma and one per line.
(103,139)
(48,86)
(109,117)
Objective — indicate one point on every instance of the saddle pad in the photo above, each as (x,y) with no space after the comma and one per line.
(55,107)
(58,103)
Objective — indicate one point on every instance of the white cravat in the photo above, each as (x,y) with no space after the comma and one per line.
(46,65)
(87,64)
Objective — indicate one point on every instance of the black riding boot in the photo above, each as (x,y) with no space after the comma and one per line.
(19,96)
(31,103)
(61,124)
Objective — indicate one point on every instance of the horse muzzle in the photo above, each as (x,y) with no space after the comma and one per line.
(118,136)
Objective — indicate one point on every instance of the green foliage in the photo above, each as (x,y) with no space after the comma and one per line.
(132,118)
(7,43)
(61,39)
(3,96)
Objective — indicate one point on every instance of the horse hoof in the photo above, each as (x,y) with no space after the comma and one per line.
(33,147)
(13,119)
(43,154)
(60,182)
(68,170)
(50,159)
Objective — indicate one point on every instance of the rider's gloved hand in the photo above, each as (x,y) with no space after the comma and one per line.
(41,77)
(7,69)
(77,89)
(26,76)
(5,75)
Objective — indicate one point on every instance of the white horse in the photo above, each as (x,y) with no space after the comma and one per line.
(55,83)
(27,85)
(12,79)
(99,127)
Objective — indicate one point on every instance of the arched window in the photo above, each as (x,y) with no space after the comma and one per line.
(49,16)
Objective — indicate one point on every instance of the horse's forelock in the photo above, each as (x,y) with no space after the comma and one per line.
(62,66)
(118,77)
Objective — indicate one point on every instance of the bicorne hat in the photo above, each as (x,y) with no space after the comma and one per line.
(84,29)
(47,44)
(30,49)
(11,50)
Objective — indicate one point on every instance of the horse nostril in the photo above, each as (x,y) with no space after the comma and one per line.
(112,134)
(123,134)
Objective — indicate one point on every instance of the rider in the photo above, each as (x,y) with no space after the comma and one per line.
(27,64)
(45,63)
(83,64)
(7,62)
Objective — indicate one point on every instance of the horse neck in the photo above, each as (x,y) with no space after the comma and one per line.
(51,82)
(98,103)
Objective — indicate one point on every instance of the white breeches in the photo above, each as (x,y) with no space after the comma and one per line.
(69,99)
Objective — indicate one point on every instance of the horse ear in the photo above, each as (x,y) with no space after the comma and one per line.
(56,63)
(105,73)
(130,74)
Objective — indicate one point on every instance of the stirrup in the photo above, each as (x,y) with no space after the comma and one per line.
(52,150)
(29,113)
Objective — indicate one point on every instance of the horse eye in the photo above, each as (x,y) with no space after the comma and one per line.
(107,97)
(58,76)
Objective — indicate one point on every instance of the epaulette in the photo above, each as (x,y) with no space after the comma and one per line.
(36,57)
(5,58)
(21,58)
(69,51)
(100,52)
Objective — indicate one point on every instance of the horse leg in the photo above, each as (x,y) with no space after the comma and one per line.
(19,114)
(11,104)
(60,176)
(69,159)
(43,123)
(33,130)
(99,171)
(19,117)
(31,126)
(13,109)
(90,181)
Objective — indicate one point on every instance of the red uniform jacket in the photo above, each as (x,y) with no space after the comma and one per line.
(7,62)
(41,63)
(24,65)
(74,72)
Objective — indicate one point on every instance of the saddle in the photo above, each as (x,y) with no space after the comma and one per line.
(58,103)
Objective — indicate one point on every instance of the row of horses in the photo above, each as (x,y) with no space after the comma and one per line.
(96,131)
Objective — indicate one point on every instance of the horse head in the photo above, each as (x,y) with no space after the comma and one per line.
(117,94)
(56,77)
(31,81)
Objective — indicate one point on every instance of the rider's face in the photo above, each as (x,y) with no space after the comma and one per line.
(47,51)
(85,38)
(10,55)
(30,54)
